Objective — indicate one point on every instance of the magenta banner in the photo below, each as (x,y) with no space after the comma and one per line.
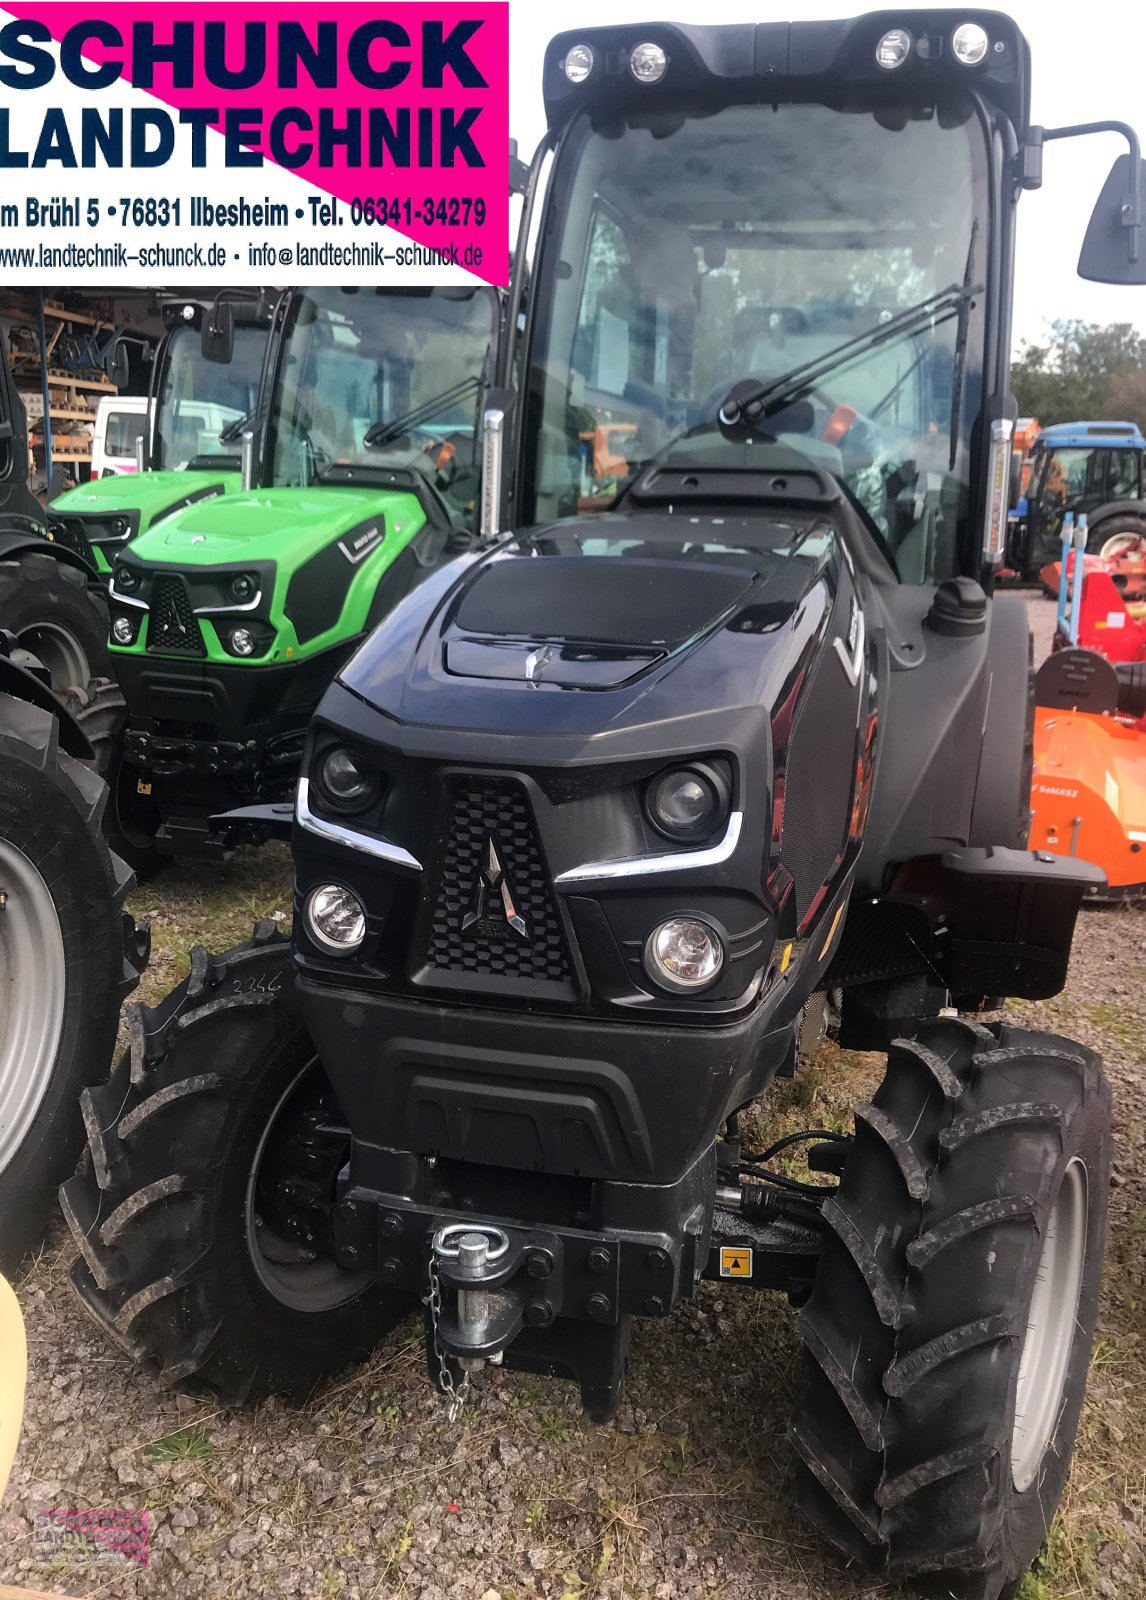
(327,138)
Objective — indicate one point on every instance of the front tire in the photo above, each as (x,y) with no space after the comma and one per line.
(949,1330)
(203,1205)
(63,972)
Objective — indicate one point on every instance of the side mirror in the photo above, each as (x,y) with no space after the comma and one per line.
(218,336)
(117,364)
(1015,493)
(518,171)
(1114,250)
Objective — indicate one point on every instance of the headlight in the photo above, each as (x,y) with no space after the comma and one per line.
(242,588)
(578,64)
(648,63)
(335,919)
(687,802)
(126,581)
(344,781)
(969,44)
(119,526)
(123,630)
(893,49)
(243,641)
(683,954)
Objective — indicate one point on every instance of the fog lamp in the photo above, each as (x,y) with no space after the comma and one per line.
(648,63)
(335,918)
(123,630)
(969,43)
(578,63)
(683,954)
(242,641)
(893,49)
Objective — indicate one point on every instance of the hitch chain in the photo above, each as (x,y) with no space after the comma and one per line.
(455,1397)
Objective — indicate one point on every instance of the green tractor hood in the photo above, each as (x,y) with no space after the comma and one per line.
(297,571)
(113,511)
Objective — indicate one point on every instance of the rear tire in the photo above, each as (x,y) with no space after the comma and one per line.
(57,618)
(1117,536)
(949,1330)
(63,972)
(187,1258)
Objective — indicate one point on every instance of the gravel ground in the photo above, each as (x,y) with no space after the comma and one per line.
(367,1492)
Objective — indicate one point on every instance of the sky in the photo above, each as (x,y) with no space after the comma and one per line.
(1087,65)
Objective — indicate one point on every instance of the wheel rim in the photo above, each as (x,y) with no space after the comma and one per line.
(1051,1326)
(60,652)
(1121,544)
(32,993)
(296,1275)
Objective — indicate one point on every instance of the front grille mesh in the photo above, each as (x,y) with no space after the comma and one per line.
(173,628)
(480,811)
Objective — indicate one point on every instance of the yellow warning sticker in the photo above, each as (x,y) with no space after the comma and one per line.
(735,1261)
(142,788)
(786,957)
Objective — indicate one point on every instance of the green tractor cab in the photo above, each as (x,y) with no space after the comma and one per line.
(229,620)
(200,398)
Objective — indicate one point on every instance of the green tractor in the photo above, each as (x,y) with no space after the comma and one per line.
(230,618)
(203,391)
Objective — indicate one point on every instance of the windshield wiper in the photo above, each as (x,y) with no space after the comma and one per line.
(234,431)
(961,351)
(383,433)
(750,406)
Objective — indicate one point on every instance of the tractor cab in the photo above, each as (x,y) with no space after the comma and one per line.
(1091,469)
(198,406)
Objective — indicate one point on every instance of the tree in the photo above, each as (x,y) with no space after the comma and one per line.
(1084,373)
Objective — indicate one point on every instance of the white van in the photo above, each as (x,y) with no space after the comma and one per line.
(120,420)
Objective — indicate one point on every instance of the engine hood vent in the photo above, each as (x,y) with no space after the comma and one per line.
(602,600)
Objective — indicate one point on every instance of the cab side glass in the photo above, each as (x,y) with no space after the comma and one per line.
(1106,250)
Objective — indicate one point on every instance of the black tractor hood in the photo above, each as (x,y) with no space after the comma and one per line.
(601,626)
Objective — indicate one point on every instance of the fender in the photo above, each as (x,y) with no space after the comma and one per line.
(1116,508)
(18,541)
(24,685)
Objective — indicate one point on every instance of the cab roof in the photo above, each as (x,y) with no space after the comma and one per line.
(1085,435)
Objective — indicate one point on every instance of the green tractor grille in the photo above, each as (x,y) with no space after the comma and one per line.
(173,629)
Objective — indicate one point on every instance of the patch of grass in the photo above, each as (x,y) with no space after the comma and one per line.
(185,1444)
(1066,1565)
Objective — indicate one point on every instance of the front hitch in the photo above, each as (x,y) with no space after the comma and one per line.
(489,1281)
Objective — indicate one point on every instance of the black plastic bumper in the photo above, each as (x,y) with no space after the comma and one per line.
(535,1092)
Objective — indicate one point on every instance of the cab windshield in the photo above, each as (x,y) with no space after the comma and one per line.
(698,251)
(199,399)
(374,379)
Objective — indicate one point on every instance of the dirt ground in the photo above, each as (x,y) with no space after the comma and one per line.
(367,1492)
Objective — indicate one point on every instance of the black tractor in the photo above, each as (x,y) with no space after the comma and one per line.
(719,736)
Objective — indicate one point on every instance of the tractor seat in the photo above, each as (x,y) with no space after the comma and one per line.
(1077,680)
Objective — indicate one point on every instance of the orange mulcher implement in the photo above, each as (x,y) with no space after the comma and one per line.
(1088,793)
